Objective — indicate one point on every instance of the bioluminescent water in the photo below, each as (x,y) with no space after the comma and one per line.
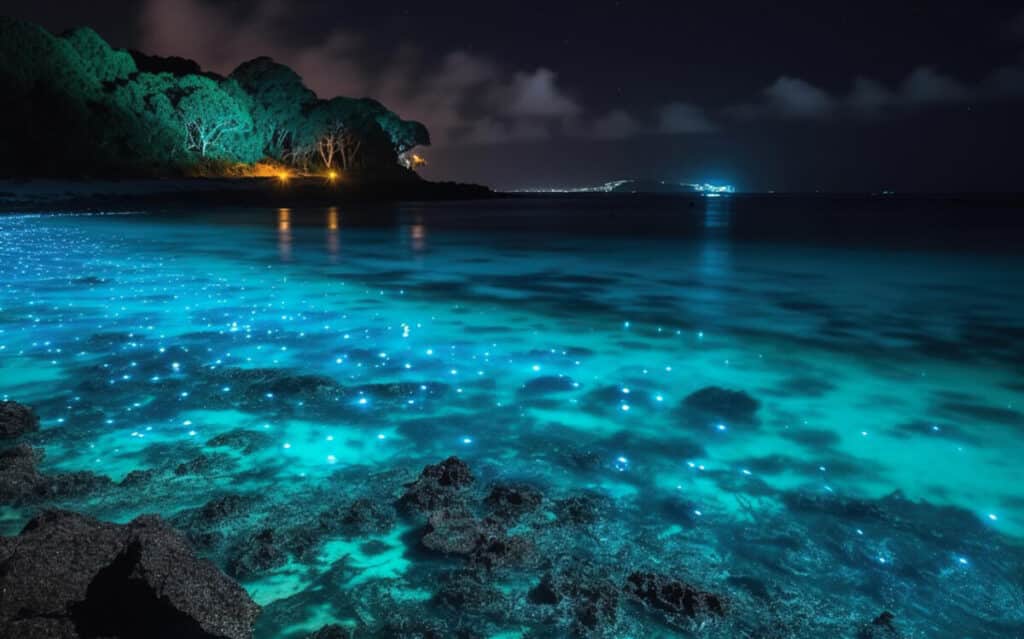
(814,431)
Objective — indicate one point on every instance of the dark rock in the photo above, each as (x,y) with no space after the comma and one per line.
(360,518)
(76,484)
(483,542)
(509,502)
(438,486)
(468,590)
(138,478)
(452,472)
(880,628)
(22,483)
(671,596)
(257,554)
(584,508)
(453,532)
(241,439)
(720,404)
(19,479)
(67,575)
(586,592)
(224,507)
(332,631)
(16,420)
(202,465)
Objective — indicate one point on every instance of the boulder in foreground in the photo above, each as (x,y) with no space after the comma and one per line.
(68,575)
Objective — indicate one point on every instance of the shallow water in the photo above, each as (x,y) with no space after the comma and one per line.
(874,463)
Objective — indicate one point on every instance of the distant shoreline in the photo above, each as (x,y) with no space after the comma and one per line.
(50,195)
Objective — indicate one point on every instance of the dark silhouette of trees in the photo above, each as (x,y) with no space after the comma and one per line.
(75,106)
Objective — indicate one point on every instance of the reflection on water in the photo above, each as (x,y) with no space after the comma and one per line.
(284,234)
(333,241)
(418,236)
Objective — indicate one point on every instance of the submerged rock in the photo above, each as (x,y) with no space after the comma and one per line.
(360,518)
(586,600)
(241,439)
(483,542)
(16,420)
(203,465)
(581,509)
(137,478)
(22,483)
(671,596)
(438,486)
(721,404)
(509,502)
(257,554)
(68,575)
(332,631)
(469,590)
(880,628)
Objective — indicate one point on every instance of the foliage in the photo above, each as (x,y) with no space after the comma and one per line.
(73,105)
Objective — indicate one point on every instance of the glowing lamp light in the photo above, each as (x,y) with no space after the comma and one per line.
(332,176)
(283,177)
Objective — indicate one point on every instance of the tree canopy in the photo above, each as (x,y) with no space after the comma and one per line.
(74,105)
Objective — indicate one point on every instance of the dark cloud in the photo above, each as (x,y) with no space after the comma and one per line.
(616,125)
(794,98)
(1015,28)
(682,117)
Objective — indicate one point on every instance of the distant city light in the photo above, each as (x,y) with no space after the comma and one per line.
(705,189)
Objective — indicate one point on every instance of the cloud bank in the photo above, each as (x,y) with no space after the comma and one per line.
(796,99)
(462,97)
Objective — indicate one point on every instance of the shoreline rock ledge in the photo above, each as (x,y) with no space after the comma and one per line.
(70,576)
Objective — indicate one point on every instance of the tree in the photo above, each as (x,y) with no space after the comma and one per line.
(211,118)
(144,123)
(102,61)
(279,101)
(331,133)
(403,134)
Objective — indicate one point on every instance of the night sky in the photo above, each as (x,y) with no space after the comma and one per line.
(915,96)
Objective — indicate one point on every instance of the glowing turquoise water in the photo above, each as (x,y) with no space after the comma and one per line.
(875,370)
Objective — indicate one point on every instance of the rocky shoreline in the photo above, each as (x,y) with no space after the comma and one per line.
(490,553)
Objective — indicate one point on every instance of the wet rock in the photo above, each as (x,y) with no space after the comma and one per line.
(360,518)
(469,590)
(586,599)
(438,486)
(720,404)
(67,575)
(483,542)
(224,507)
(671,596)
(581,509)
(138,478)
(202,465)
(22,483)
(19,479)
(76,484)
(454,531)
(509,502)
(16,420)
(256,554)
(332,631)
(241,439)
(265,383)
(880,628)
